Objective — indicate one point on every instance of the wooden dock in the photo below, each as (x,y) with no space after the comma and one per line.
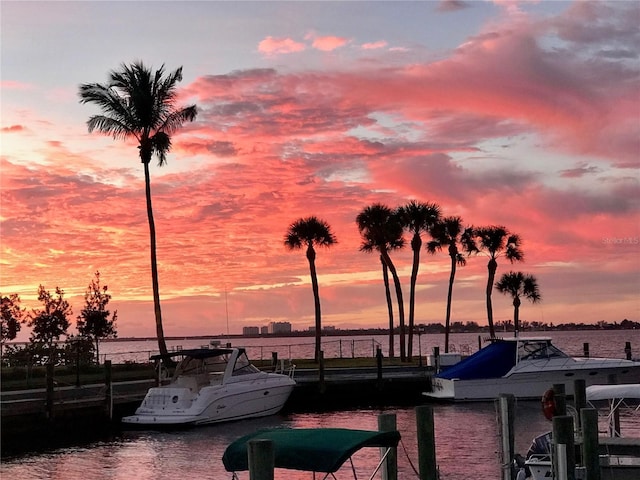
(28,418)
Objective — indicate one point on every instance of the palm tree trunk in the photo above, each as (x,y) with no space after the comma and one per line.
(447,322)
(416,244)
(385,276)
(492,266)
(396,281)
(311,256)
(162,346)
(516,316)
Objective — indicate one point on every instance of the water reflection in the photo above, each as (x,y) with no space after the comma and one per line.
(466,439)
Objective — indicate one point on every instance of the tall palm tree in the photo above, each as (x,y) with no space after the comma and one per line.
(518,284)
(308,232)
(140,104)
(495,241)
(381,230)
(449,233)
(417,218)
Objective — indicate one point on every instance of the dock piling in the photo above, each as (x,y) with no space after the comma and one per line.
(50,381)
(261,459)
(560,398)
(590,457)
(387,422)
(506,405)
(426,443)
(563,435)
(579,397)
(108,396)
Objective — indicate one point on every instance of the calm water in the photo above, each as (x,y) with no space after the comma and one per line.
(601,343)
(467,438)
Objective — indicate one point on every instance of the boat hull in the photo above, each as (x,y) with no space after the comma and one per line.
(528,384)
(221,403)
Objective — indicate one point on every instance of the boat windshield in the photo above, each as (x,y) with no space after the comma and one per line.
(194,366)
(243,366)
(538,349)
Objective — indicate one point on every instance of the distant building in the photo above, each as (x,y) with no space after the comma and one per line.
(279,327)
(249,331)
(264,330)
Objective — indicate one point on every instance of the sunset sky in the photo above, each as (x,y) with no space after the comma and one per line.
(523,114)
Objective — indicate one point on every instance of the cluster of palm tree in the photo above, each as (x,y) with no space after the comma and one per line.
(139,103)
(383,229)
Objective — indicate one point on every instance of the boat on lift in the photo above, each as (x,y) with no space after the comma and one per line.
(212,385)
(524,367)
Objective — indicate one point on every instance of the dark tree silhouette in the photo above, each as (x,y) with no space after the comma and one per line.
(417,218)
(518,284)
(495,241)
(11,317)
(449,233)
(141,104)
(51,322)
(94,321)
(381,231)
(387,294)
(309,232)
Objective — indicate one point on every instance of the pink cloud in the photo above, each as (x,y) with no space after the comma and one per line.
(374,45)
(277,46)
(329,43)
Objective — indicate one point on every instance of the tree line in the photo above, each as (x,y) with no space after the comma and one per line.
(383,230)
(51,322)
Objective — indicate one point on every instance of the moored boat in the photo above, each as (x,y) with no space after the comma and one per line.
(619,456)
(212,385)
(524,367)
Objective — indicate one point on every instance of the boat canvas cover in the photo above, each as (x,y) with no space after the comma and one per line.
(308,449)
(493,361)
(607,392)
(195,353)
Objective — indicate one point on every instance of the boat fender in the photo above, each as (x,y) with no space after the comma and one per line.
(549,404)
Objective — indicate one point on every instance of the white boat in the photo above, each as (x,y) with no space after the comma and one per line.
(213,385)
(526,368)
(619,455)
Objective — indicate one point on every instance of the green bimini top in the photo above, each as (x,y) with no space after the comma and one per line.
(308,449)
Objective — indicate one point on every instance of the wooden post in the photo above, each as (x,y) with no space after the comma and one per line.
(321,384)
(261,459)
(506,404)
(579,397)
(387,423)
(590,456)
(627,350)
(108,395)
(426,443)
(560,398)
(49,401)
(436,358)
(585,349)
(274,360)
(379,366)
(563,435)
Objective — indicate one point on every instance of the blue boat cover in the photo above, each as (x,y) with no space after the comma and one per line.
(308,449)
(493,361)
